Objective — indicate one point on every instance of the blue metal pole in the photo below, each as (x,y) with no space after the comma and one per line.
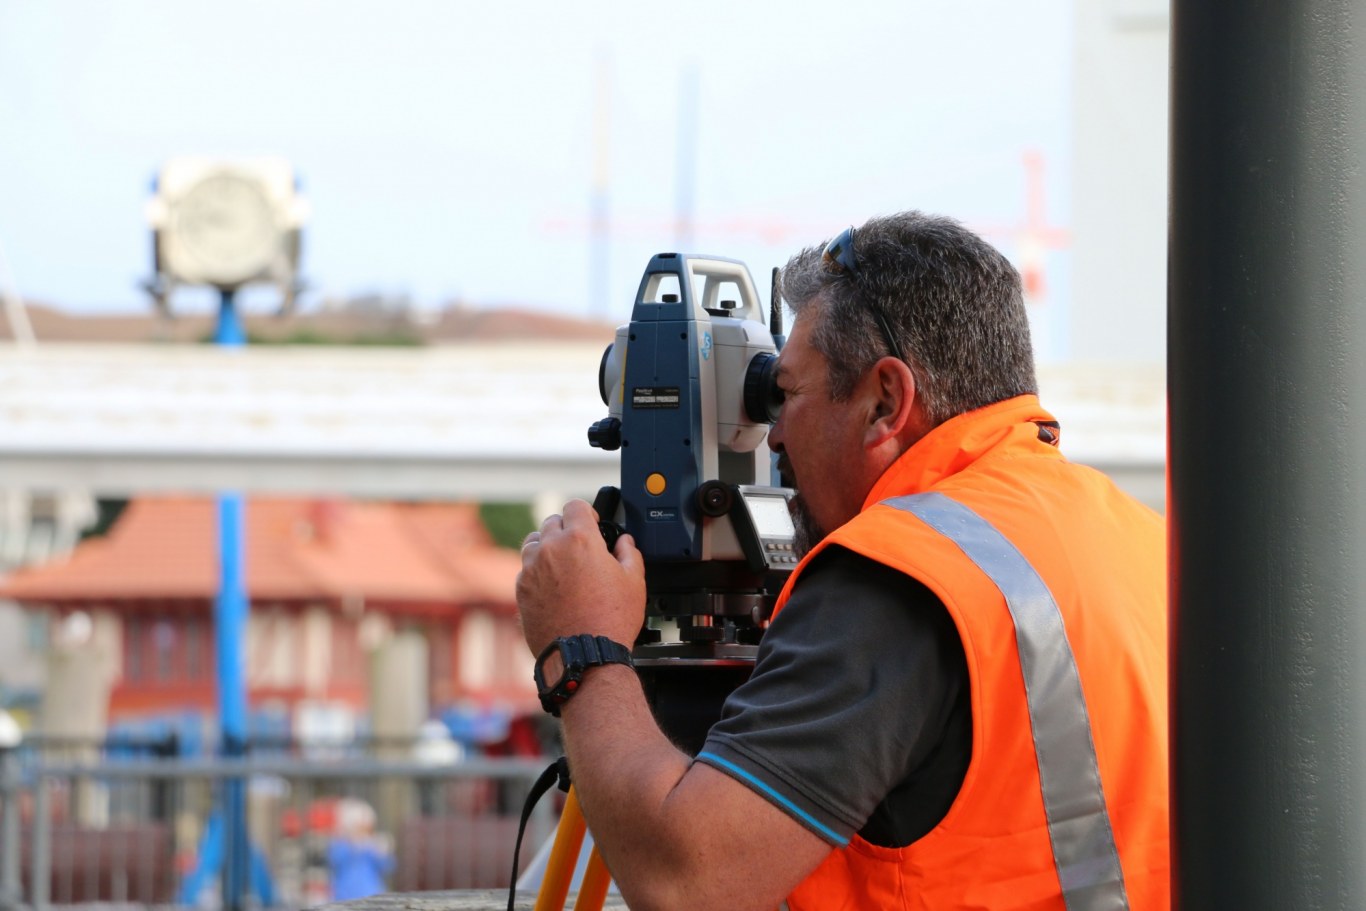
(230,628)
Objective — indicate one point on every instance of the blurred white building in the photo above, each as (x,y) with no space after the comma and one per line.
(35,525)
(1119,183)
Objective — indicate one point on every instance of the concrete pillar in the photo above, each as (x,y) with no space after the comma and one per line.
(1267,262)
(75,704)
(398,706)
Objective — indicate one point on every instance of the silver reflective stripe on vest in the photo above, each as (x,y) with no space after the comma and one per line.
(1078,823)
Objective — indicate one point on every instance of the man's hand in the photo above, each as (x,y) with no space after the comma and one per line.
(675,834)
(571,584)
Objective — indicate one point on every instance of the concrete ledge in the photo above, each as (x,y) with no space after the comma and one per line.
(463,900)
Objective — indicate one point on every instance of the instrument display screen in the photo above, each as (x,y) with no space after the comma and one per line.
(771,518)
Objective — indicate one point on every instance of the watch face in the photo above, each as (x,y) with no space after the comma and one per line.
(227,228)
(552,668)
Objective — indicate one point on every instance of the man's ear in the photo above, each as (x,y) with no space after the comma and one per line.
(892,403)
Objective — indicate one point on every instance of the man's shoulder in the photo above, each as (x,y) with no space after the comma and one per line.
(839,573)
(838,559)
(867,533)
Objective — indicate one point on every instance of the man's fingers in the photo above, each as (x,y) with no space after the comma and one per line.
(579,511)
(530,545)
(578,519)
(628,555)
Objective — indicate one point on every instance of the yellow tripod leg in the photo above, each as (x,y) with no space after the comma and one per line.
(593,889)
(564,857)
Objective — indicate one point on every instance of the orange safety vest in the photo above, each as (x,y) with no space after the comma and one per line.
(1057,583)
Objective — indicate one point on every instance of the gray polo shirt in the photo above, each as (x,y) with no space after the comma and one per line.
(857,717)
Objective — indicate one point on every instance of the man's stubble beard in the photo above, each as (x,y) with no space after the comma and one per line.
(809,533)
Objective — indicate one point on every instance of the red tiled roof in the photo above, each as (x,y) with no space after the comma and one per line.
(425,554)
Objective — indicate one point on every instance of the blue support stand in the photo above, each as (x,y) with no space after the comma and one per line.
(226,848)
(230,628)
(211,861)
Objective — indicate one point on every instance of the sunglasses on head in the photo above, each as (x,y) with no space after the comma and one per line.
(839,258)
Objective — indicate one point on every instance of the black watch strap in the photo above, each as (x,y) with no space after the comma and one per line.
(578,654)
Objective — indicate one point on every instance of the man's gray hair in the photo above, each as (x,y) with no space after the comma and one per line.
(952,300)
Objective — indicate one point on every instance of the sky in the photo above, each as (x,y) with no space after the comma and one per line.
(447,149)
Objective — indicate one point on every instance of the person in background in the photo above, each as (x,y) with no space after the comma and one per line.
(359,859)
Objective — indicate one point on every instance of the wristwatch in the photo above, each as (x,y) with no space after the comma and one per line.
(561,665)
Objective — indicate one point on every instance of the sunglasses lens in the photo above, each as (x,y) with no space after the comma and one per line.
(841,250)
(840,253)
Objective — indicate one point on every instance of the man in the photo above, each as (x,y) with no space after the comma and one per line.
(961,701)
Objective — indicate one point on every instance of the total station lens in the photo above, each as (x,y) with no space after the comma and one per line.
(763,395)
(602,375)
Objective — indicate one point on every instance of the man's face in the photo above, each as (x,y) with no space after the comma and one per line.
(819,442)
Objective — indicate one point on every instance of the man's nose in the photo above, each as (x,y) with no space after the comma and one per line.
(775,435)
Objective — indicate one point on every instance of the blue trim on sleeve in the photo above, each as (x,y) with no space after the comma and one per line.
(829,833)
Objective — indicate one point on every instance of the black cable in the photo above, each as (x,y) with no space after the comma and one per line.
(557,773)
